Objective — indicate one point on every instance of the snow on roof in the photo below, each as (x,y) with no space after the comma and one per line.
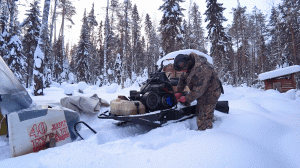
(279,72)
(187,51)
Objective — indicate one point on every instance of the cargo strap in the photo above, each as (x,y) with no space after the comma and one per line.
(1,121)
(137,104)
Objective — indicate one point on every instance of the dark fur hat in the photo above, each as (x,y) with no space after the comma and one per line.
(183,62)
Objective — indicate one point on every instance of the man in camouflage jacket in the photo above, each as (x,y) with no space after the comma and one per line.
(204,85)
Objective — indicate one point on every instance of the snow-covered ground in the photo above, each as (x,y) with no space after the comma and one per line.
(262,129)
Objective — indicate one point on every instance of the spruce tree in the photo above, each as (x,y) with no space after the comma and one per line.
(216,34)
(32,26)
(186,32)
(100,53)
(91,19)
(4,35)
(170,26)
(276,44)
(4,28)
(118,68)
(290,11)
(258,31)
(137,51)
(83,52)
(240,35)
(125,43)
(197,39)
(152,45)
(59,58)
(39,54)
(110,43)
(73,62)
(15,58)
(92,23)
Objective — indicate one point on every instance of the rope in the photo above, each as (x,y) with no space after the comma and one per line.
(1,121)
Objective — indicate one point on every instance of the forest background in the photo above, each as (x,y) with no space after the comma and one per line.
(124,44)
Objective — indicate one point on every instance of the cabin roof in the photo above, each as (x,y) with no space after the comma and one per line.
(279,72)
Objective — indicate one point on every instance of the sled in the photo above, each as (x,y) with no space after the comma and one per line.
(161,117)
(153,119)
(31,127)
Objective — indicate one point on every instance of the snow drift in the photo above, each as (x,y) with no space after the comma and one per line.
(262,129)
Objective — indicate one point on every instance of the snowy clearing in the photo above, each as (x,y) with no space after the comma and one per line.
(262,129)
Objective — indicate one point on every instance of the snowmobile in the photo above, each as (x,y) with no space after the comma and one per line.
(154,105)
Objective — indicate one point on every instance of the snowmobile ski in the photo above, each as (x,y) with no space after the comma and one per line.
(154,119)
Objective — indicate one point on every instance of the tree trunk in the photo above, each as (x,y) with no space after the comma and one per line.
(293,43)
(61,32)
(125,38)
(53,20)
(106,34)
(40,53)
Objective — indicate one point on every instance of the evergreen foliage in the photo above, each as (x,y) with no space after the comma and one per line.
(40,68)
(32,26)
(240,35)
(91,19)
(276,44)
(197,39)
(83,53)
(170,26)
(290,14)
(152,46)
(3,29)
(126,44)
(59,58)
(13,54)
(220,42)
(94,57)
(137,49)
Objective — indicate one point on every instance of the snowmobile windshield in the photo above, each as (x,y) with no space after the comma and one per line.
(13,96)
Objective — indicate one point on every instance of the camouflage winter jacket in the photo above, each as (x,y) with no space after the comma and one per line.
(201,79)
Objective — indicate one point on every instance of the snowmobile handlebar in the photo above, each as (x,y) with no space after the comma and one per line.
(156,73)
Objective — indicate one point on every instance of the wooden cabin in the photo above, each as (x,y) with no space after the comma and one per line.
(282,79)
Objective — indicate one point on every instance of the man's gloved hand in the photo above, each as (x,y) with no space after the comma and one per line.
(177,95)
(182,99)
